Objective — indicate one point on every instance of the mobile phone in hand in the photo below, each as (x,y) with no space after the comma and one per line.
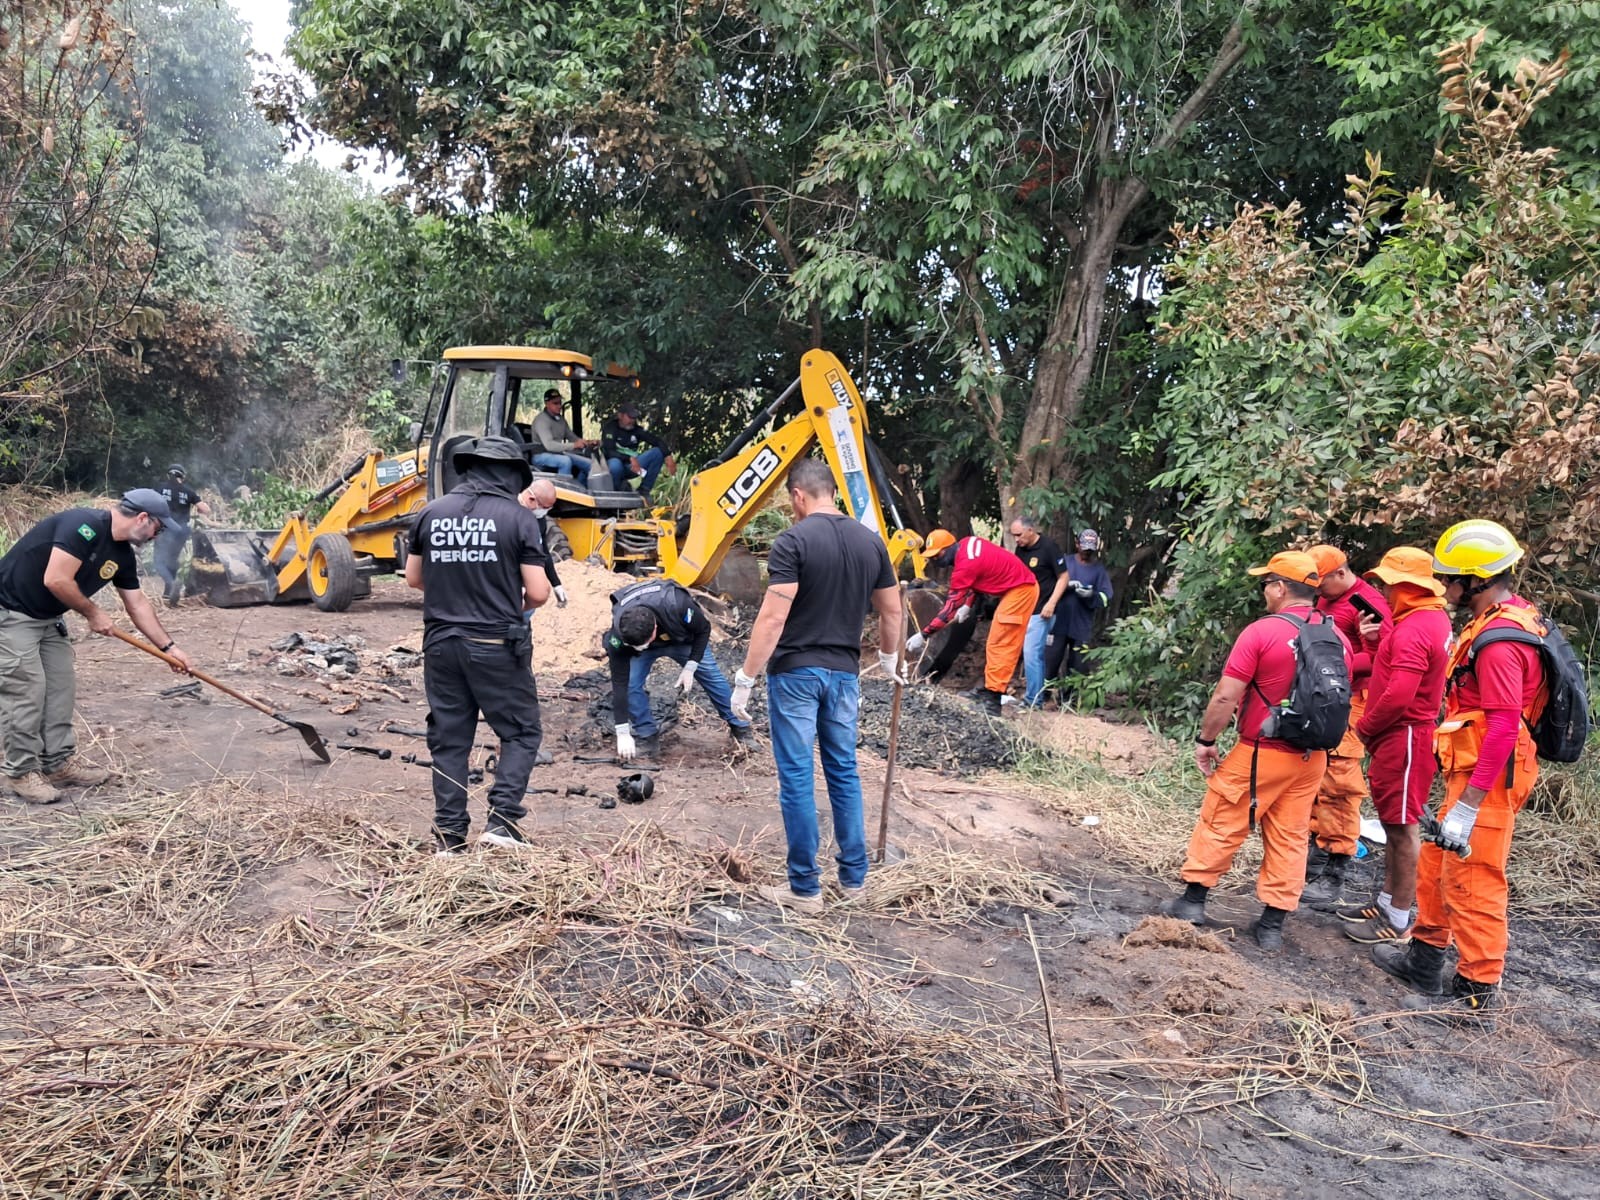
(1364,606)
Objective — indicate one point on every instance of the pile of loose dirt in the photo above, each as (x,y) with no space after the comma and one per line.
(567,640)
(938,731)
(1169,931)
(1120,749)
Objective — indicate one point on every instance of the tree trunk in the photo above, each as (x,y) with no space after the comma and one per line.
(960,485)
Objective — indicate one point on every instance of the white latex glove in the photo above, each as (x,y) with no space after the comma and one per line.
(1081,589)
(686,676)
(1455,831)
(742,686)
(891,665)
(625,747)
(963,612)
(561,596)
(915,642)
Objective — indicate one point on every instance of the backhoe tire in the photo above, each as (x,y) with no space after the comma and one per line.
(331,572)
(556,542)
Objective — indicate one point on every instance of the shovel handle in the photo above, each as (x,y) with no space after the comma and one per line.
(139,644)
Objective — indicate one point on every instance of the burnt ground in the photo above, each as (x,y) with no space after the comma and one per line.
(1294,1075)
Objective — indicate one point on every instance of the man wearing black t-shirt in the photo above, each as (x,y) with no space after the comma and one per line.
(56,566)
(478,560)
(1049,566)
(181,499)
(824,572)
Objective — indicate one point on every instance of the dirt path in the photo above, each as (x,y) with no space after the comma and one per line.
(1287,1076)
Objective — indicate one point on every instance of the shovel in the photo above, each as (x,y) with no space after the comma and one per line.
(313,739)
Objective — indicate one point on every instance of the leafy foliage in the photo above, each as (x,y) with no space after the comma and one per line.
(1435,360)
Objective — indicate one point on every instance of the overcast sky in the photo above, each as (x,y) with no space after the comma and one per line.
(269,26)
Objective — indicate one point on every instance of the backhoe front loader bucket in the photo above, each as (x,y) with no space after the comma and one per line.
(230,567)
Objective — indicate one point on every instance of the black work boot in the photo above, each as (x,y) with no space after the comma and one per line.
(1316,860)
(1326,892)
(991,702)
(1267,929)
(1466,1001)
(1415,963)
(1191,906)
(648,749)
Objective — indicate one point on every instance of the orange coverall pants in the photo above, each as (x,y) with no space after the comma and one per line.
(1336,812)
(1286,783)
(1465,899)
(1007,630)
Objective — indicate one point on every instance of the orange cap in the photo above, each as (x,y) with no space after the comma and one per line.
(1295,565)
(1407,564)
(1328,559)
(938,540)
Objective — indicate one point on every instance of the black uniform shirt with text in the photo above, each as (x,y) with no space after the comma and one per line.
(617,442)
(180,498)
(1045,560)
(679,622)
(84,533)
(472,564)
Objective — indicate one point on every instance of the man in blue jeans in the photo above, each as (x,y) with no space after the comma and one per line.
(823,573)
(1049,566)
(631,451)
(659,619)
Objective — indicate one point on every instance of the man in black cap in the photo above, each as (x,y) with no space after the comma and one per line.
(631,450)
(653,619)
(181,499)
(58,565)
(478,560)
(555,447)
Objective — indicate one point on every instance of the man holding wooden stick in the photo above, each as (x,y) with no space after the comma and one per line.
(824,571)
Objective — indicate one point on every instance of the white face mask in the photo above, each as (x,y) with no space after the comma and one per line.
(540,512)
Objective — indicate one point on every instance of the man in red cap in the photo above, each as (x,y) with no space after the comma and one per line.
(1262,779)
(1404,693)
(981,567)
(1336,813)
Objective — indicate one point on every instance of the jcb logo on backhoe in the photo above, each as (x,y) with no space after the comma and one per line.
(749,482)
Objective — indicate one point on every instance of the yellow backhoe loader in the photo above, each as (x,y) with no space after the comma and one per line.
(486,392)
(500,390)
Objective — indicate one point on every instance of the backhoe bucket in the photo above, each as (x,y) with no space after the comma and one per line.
(230,567)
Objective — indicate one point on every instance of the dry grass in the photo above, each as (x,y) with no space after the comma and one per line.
(550,1023)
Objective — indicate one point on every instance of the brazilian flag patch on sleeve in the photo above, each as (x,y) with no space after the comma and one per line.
(86,532)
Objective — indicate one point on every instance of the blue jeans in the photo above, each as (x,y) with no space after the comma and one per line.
(1033,657)
(650,461)
(579,464)
(809,706)
(709,675)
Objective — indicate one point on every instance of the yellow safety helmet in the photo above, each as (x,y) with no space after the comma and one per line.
(1481,548)
(938,541)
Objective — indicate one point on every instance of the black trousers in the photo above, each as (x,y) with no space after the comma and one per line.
(462,679)
(1064,658)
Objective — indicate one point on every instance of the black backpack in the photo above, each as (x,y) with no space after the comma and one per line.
(1316,712)
(1563,727)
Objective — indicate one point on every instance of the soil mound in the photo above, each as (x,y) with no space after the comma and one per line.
(938,731)
(1169,931)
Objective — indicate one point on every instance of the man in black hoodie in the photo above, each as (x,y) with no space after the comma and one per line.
(477,557)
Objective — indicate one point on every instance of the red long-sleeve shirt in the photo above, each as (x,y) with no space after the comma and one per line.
(1408,670)
(1347,619)
(981,566)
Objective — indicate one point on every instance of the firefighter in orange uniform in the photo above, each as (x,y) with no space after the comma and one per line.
(1486,753)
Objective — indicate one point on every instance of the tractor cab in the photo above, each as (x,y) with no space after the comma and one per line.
(500,390)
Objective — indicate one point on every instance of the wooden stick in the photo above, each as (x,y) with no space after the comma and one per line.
(1049,1023)
(894,726)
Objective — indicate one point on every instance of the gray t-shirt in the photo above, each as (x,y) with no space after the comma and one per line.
(838,564)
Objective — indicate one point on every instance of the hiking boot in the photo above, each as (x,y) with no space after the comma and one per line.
(448,845)
(33,788)
(1316,860)
(784,897)
(1465,1001)
(1326,892)
(647,749)
(77,773)
(503,833)
(1377,930)
(1415,963)
(991,702)
(744,737)
(1192,911)
(1267,929)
